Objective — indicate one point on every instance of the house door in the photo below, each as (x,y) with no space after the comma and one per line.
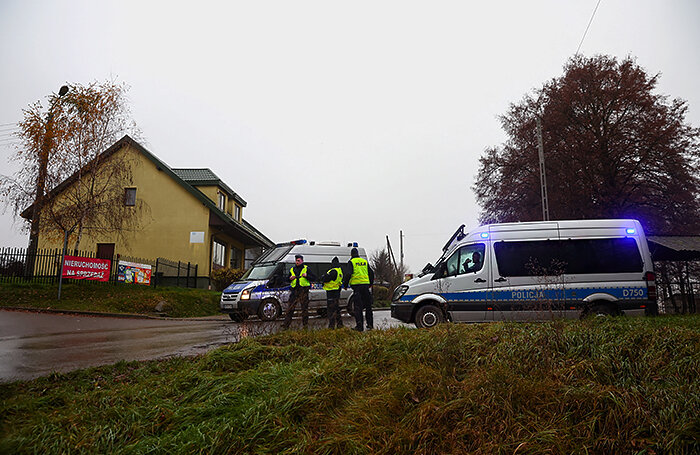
(105,250)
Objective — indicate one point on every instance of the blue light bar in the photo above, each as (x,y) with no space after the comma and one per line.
(484,235)
(631,230)
(354,244)
(298,242)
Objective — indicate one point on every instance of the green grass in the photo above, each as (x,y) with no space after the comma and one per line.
(596,386)
(119,298)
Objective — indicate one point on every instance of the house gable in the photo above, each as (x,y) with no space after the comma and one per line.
(174,209)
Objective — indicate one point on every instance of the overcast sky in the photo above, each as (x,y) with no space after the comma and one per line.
(370,116)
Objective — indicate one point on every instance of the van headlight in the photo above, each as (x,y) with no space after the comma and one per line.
(399,292)
(245,295)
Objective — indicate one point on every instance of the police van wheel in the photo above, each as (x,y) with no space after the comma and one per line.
(602,311)
(269,310)
(429,316)
(238,317)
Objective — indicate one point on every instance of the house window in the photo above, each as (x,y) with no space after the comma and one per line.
(237,213)
(218,254)
(130,197)
(236,258)
(222,202)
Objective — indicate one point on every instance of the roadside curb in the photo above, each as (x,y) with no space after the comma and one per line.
(109,315)
(126,315)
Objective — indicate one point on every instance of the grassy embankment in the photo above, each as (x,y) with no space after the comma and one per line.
(111,298)
(595,386)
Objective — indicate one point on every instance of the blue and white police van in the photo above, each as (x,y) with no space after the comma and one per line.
(264,289)
(533,270)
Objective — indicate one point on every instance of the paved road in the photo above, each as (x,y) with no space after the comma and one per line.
(35,344)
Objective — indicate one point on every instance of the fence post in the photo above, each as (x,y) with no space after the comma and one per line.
(196,267)
(63,260)
(187,283)
(177,281)
(114,272)
(155,280)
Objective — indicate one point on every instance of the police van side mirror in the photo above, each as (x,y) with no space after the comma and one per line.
(440,271)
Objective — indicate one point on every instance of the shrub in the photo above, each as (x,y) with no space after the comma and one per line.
(380,293)
(222,278)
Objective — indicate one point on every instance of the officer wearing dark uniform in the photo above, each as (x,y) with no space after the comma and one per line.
(301,278)
(360,277)
(332,280)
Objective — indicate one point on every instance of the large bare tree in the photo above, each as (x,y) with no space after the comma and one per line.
(613,148)
(66,181)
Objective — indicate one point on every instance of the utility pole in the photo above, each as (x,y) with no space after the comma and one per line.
(401,238)
(543,175)
(391,252)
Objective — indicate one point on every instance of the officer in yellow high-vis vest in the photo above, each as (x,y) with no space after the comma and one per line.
(332,281)
(300,278)
(360,276)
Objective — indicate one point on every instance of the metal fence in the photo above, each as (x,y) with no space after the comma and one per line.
(678,285)
(44,266)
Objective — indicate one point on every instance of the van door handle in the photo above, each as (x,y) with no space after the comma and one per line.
(480,280)
(500,280)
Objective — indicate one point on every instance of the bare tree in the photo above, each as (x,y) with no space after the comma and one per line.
(64,151)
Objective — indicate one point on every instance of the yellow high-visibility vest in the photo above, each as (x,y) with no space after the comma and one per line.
(360,271)
(335,284)
(303,282)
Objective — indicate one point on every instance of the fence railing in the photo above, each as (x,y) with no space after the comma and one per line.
(44,266)
(679,297)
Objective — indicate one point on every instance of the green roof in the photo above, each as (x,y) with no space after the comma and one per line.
(205,177)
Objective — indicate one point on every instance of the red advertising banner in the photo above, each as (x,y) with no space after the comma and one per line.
(79,268)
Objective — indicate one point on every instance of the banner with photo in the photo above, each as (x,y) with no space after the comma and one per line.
(132,272)
(79,268)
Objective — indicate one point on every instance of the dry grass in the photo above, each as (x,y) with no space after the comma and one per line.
(111,298)
(596,386)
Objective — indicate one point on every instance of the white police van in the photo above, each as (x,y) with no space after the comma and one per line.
(533,270)
(264,289)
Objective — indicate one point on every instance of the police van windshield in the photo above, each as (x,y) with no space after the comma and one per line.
(275,254)
(260,272)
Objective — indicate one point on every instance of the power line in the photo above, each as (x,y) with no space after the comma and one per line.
(587,27)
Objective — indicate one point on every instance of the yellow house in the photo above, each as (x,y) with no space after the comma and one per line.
(191,216)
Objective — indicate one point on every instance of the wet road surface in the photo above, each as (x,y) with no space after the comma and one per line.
(36,344)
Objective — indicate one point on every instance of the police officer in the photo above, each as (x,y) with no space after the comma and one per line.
(360,277)
(301,278)
(332,280)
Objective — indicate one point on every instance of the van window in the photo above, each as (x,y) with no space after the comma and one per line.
(317,269)
(580,256)
(602,256)
(467,259)
(275,254)
(259,272)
